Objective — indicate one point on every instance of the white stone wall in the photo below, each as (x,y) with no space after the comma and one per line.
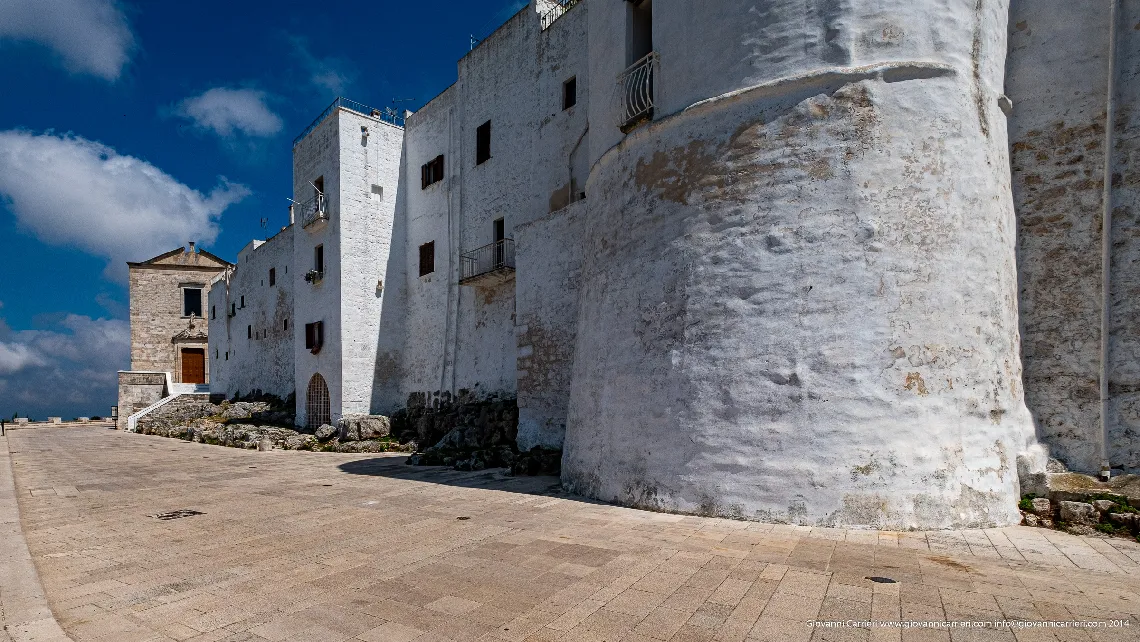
(549,258)
(317,155)
(464,337)
(241,364)
(369,175)
(1058,80)
(799,301)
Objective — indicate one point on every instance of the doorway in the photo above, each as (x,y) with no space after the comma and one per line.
(317,411)
(193,365)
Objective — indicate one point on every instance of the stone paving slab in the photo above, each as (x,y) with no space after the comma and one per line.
(24,611)
(334,547)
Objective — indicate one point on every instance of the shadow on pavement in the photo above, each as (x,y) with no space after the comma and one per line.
(491,478)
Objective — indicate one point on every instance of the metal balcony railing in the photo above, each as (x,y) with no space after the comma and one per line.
(495,259)
(635,86)
(557,8)
(313,210)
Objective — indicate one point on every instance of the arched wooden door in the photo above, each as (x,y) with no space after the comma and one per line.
(317,411)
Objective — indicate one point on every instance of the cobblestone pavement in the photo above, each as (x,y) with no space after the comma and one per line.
(327,547)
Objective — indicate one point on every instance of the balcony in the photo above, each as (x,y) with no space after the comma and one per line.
(489,265)
(635,86)
(552,10)
(313,210)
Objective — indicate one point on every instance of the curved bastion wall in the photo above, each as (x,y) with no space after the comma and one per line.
(799,298)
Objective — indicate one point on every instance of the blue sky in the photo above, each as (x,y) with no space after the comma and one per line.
(130,127)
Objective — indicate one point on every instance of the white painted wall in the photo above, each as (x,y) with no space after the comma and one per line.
(240,364)
(799,302)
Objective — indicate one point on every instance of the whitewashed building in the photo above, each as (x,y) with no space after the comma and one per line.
(751,259)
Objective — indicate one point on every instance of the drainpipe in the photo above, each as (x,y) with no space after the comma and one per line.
(1106,242)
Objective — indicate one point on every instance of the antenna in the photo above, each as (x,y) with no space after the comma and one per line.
(265,227)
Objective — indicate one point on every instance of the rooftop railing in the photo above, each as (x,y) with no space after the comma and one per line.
(556,9)
(635,85)
(487,262)
(388,115)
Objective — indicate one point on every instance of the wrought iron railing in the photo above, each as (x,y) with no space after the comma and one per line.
(313,210)
(499,255)
(636,89)
(388,115)
(557,9)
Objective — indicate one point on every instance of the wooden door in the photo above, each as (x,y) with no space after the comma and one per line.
(193,365)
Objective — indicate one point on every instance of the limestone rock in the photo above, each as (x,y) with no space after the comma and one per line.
(1079,513)
(1104,505)
(1042,507)
(326,432)
(1127,520)
(364,427)
(265,444)
(1029,519)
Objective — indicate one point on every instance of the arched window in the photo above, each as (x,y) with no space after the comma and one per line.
(317,403)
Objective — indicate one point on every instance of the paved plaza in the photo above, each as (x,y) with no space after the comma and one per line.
(328,547)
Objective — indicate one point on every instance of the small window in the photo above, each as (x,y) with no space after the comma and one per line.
(213,312)
(227,355)
(272,277)
(319,187)
(215,353)
(191,302)
(431,172)
(233,309)
(427,258)
(483,143)
(285,325)
(569,93)
(314,336)
(243,301)
(378,190)
(319,259)
(248,332)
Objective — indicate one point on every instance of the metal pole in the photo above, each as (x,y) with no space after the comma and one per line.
(1106,245)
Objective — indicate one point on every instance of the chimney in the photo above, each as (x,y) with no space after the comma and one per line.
(191,247)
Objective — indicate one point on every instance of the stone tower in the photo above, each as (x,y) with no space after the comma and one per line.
(345,169)
(799,298)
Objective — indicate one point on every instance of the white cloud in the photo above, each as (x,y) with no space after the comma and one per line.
(90,36)
(69,370)
(229,111)
(330,74)
(71,191)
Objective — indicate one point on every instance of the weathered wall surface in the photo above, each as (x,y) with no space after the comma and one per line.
(799,303)
(549,256)
(1058,80)
(318,155)
(463,338)
(1124,354)
(156,306)
(369,164)
(137,390)
(241,363)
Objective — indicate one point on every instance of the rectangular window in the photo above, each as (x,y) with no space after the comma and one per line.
(431,172)
(227,355)
(248,332)
(233,309)
(191,302)
(569,93)
(243,301)
(483,143)
(215,353)
(314,336)
(319,259)
(213,312)
(285,325)
(319,187)
(427,258)
(272,277)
